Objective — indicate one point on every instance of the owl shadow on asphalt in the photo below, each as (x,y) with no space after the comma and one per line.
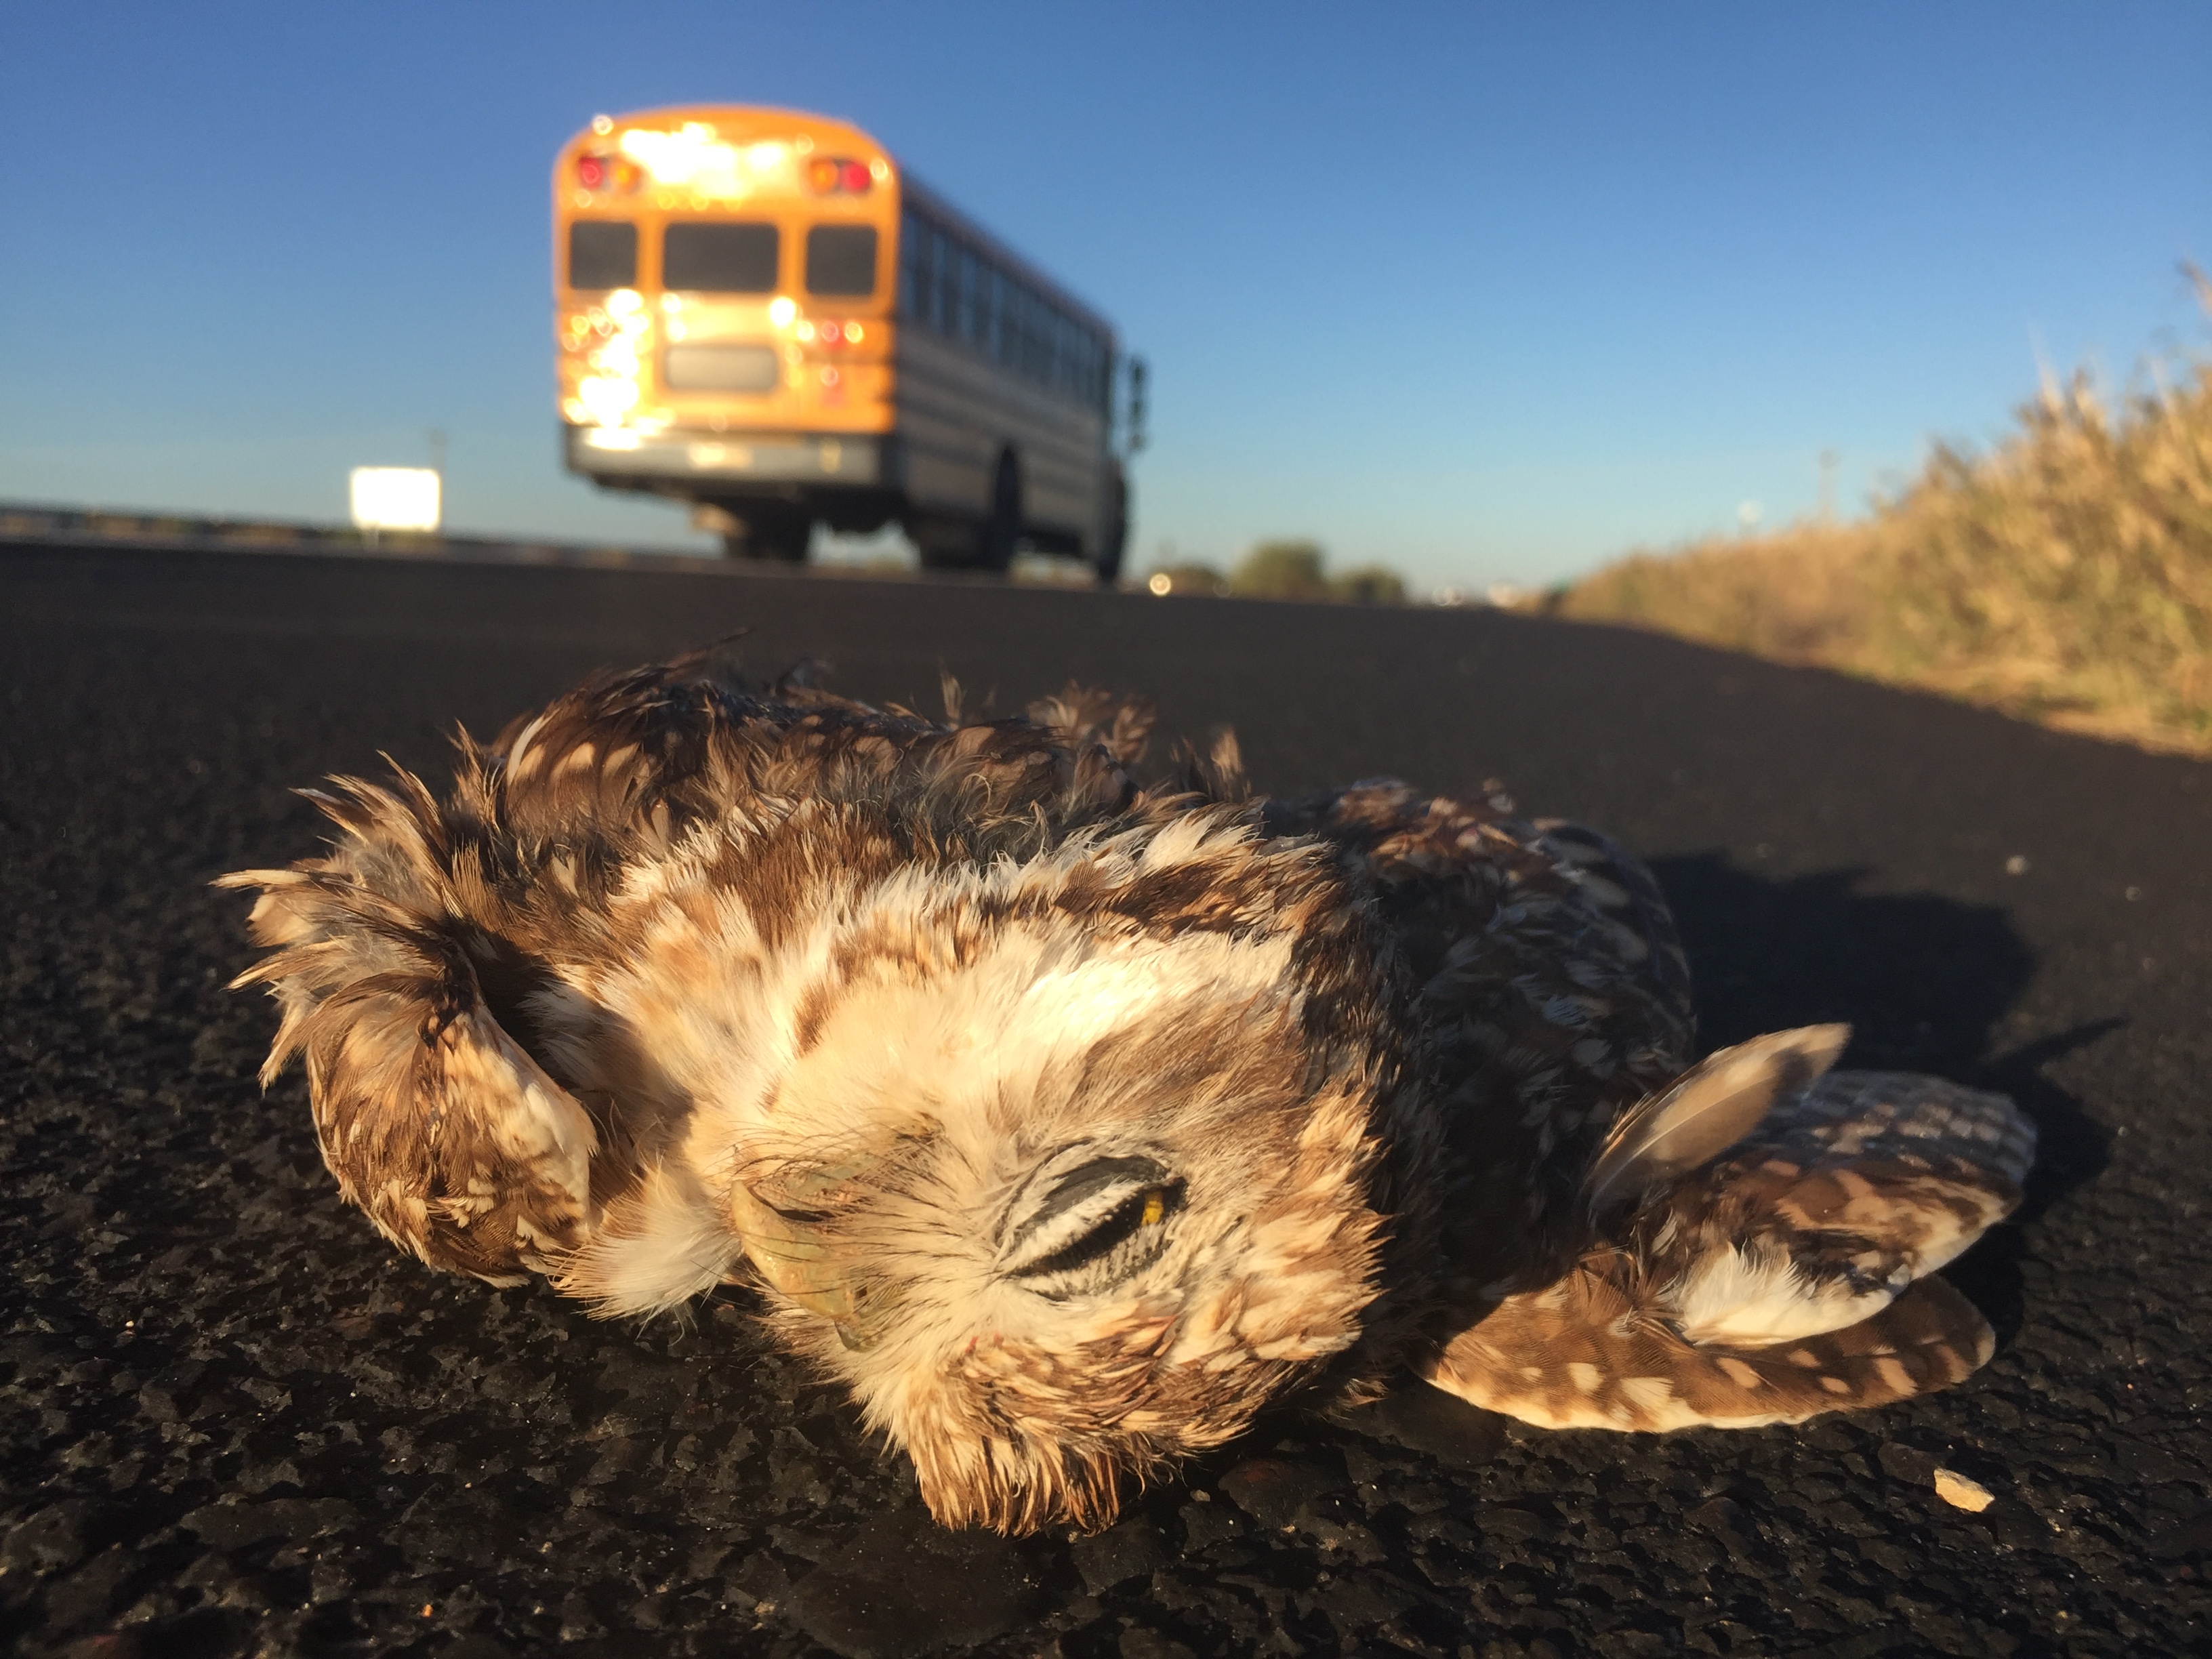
(1925,981)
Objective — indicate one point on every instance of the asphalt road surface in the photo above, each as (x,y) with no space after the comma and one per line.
(234,1421)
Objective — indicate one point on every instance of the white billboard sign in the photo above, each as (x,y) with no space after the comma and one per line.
(396,498)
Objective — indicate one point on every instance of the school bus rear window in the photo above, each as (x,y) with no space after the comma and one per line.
(841,260)
(602,253)
(721,257)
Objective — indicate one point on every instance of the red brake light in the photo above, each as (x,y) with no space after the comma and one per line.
(830,175)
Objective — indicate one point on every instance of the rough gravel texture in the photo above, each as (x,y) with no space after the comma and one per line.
(235,1422)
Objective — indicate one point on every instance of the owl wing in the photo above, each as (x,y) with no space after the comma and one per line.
(1781,1281)
(1549,986)
(1847,1192)
(414,963)
(436,1122)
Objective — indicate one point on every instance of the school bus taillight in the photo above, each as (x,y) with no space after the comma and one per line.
(596,172)
(830,175)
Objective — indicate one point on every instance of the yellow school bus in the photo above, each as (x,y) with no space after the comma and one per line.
(760,313)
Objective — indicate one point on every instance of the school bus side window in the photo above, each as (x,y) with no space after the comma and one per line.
(944,309)
(841,260)
(913,272)
(1002,290)
(602,253)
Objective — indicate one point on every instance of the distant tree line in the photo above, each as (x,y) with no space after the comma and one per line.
(1284,571)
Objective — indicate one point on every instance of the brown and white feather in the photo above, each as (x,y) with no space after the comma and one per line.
(1070,1119)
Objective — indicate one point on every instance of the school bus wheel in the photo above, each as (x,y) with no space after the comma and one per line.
(1113,537)
(998,535)
(767,531)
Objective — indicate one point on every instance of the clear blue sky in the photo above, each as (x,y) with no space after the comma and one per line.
(1485,292)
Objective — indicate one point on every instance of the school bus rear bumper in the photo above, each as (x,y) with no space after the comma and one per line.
(616,454)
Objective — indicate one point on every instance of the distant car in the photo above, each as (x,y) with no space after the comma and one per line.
(760,313)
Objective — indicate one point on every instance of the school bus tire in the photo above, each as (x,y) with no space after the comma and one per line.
(944,544)
(998,535)
(769,534)
(1114,538)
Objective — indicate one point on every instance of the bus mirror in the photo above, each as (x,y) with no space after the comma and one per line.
(1135,418)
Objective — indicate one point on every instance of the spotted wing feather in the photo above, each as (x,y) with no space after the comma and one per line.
(1850,1191)
(1593,1353)
(1781,1281)
(1708,1110)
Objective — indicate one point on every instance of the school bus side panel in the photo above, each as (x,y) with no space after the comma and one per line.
(956,413)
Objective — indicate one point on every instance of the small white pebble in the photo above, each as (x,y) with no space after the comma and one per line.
(1961,1493)
(2017,864)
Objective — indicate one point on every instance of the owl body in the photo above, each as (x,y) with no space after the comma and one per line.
(1070,1121)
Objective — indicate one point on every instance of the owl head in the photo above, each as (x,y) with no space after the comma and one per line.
(1069,1167)
(1067,1148)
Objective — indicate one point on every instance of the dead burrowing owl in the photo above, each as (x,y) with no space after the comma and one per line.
(1069,1122)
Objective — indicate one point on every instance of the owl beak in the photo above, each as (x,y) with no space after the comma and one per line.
(781,1224)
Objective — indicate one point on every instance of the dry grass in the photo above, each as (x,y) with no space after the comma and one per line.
(2065,577)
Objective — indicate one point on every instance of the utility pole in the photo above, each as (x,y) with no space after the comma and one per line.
(1827,486)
